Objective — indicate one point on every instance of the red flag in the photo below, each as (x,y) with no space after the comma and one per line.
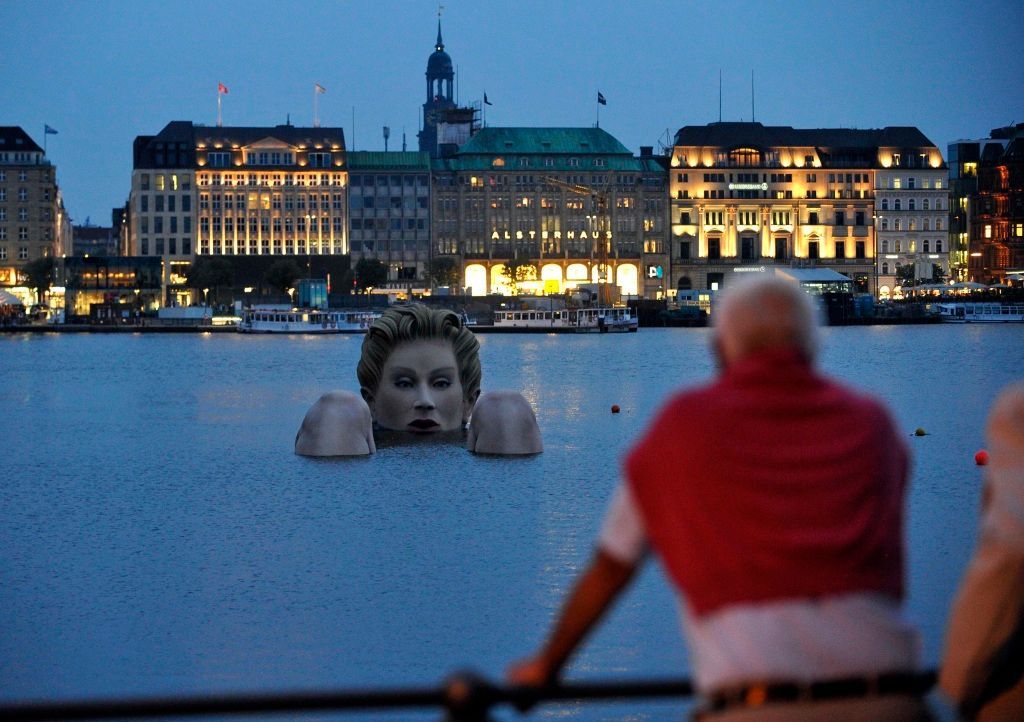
(222,89)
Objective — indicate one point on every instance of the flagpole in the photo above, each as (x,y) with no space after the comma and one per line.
(45,138)
(316,108)
(598,123)
(218,107)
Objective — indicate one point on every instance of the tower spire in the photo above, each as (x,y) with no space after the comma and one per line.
(439,45)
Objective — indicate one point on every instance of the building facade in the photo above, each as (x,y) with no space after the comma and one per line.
(236,191)
(986,218)
(389,213)
(545,210)
(33,223)
(87,240)
(911,212)
(746,197)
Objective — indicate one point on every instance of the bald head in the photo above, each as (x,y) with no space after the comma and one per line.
(764,313)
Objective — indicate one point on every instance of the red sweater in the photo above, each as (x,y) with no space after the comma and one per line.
(773,483)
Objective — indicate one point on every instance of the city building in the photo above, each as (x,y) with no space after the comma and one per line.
(746,197)
(236,191)
(911,213)
(33,223)
(986,214)
(89,240)
(440,95)
(111,288)
(389,214)
(546,210)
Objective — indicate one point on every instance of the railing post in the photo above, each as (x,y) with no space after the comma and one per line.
(468,698)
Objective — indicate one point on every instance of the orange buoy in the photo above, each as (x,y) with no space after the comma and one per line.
(920,432)
(981,458)
(615,408)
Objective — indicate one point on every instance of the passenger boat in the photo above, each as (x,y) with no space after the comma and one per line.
(979,312)
(304,320)
(575,320)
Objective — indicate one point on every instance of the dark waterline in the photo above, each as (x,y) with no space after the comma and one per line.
(160,537)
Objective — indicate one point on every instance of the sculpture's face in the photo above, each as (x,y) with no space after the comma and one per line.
(419,390)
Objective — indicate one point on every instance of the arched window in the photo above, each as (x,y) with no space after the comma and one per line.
(938,204)
(925,246)
(925,225)
(938,224)
(924,204)
(885,246)
(885,204)
(896,204)
(745,157)
(885,268)
(896,225)
(912,205)
(885,224)
(938,246)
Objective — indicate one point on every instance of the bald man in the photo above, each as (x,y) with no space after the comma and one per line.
(773,498)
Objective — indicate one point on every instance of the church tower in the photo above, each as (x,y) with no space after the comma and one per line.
(440,94)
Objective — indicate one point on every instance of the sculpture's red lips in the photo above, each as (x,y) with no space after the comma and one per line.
(424,425)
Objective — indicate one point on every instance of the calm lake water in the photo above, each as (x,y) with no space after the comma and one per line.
(159,537)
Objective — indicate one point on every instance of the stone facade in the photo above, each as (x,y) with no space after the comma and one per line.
(571,206)
(746,196)
(33,224)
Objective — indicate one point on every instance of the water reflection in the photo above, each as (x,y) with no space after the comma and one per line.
(160,536)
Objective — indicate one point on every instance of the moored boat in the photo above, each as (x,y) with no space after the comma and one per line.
(574,320)
(304,320)
(979,312)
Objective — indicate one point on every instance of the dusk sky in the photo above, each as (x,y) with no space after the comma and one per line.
(101,73)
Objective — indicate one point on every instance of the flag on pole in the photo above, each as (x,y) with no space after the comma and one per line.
(319,88)
(48,130)
(222,89)
(600,99)
(486,101)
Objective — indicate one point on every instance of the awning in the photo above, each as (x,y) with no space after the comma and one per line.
(9,299)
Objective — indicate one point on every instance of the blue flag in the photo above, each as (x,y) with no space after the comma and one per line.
(48,130)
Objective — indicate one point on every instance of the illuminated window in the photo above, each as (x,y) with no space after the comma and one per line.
(988,231)
(161,182)
(897,183)
(498,162)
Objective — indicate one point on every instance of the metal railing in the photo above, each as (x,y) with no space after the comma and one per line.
(464,697)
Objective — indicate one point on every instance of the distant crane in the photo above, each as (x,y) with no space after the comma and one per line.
(601,226)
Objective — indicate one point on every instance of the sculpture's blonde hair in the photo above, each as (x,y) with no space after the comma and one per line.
(413,322)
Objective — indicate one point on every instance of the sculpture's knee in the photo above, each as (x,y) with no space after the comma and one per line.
(503,422)
(338,424)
